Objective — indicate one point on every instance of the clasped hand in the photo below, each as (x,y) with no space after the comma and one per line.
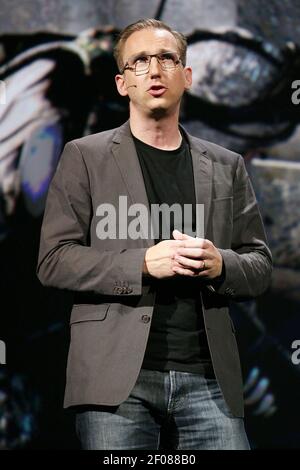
(185,256)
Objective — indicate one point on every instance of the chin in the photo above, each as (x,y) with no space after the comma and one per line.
(159,112)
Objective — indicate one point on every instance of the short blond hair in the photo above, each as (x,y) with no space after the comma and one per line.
(147,24)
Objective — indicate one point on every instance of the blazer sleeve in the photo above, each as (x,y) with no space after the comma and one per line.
(65,259)
(247,266)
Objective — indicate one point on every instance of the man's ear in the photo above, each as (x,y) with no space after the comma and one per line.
(120,83)
(188,77)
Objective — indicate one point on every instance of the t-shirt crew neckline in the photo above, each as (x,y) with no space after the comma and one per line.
(163,151)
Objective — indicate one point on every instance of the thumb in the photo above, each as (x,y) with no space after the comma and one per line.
(177,235)
(180,236)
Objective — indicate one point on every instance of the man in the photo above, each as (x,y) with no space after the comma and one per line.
(153,356)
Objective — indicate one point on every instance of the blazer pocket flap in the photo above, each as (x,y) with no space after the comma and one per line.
(88,312)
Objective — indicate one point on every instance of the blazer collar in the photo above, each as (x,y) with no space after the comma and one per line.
(128,162)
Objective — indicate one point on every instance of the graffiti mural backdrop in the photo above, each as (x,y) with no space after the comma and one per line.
(57,83)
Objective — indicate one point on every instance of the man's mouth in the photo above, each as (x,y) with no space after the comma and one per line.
(157,90)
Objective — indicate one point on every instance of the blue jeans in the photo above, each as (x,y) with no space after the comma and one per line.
(165,410)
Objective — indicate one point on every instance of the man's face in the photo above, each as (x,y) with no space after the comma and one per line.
(158,91)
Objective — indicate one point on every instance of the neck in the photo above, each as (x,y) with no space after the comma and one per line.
(158,131)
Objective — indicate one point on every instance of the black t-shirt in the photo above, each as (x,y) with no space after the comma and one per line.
(177,338)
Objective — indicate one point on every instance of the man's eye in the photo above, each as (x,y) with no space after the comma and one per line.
(141,59)
(167,56)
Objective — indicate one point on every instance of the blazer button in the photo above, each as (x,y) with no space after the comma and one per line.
(145,318)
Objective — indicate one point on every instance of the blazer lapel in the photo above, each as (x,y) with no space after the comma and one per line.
(203,173)
(127,160)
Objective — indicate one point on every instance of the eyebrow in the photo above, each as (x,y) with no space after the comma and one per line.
(148,53)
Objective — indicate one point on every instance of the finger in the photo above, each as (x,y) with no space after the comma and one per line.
(203,273)
(195,243)
(197,253)
(177,235)
(175,245)
(180,236)
(179,243)
(190,263)
(190,272)
(184,271)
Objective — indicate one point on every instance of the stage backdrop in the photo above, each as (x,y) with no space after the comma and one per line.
(57,83)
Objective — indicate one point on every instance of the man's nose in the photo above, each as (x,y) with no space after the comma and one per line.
(154,67)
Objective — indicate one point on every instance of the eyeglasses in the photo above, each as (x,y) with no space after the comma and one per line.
(141,64)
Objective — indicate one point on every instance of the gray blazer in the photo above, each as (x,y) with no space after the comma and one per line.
(111,316)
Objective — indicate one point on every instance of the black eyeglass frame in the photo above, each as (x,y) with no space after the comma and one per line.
(133,68)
